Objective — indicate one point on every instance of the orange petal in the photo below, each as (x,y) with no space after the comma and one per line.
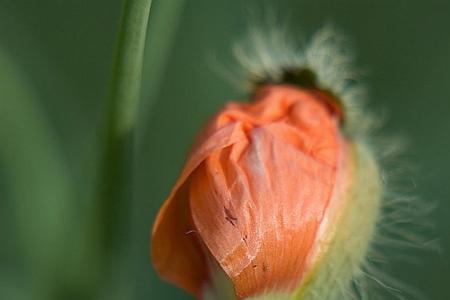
(258,203)
(176,251)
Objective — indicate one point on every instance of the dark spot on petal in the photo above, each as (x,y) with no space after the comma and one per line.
(229,217)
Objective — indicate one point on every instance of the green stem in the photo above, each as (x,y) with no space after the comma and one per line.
(115,174)
(127,67)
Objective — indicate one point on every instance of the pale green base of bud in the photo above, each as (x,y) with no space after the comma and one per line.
(332,276)
(221,288)
(272,296)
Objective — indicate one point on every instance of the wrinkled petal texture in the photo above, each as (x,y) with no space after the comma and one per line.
(254,192)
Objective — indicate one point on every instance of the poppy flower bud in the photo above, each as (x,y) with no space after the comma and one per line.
(280,197)
(275,195)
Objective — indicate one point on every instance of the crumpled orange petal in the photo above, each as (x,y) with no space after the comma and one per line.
(255,190)
(176,251)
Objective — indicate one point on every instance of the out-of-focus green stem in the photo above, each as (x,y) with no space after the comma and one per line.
(120,110)
(163,30)
(127,67)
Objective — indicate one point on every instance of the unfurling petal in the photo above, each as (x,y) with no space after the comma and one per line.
(176,249)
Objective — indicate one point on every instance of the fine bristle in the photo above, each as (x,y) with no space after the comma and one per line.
(271,55)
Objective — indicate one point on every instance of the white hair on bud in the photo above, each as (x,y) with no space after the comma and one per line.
(264,56)
(267,53)
(403,226)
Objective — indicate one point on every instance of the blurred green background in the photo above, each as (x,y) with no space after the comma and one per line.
(55,59)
